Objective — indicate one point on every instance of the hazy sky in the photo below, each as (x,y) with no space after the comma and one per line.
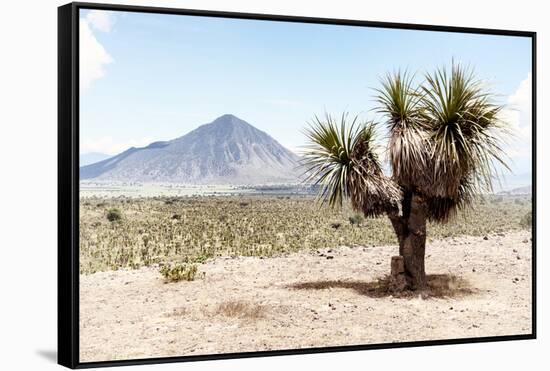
(148,77)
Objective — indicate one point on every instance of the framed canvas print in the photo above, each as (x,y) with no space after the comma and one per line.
(237,185)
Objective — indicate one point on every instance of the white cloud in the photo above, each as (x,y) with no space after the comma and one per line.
(93,56)
(519,116)
(109,146)
(101,20)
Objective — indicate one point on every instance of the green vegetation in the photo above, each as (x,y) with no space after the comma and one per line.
(214,226)
(114,215)
(356,219)
(527,220)
(179,272)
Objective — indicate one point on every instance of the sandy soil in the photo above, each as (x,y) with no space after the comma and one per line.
(309,299)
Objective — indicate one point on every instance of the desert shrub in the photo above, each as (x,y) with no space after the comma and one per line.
(114,215)
(241,309)
(201,258)
(356,219)
(527,220)
(179,272)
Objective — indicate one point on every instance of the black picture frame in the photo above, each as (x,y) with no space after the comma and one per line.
(68,182)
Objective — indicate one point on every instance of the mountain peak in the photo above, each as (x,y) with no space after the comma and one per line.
(226,151)
(228,119)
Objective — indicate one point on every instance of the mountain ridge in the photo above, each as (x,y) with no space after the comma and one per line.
(227,150)
(89,158)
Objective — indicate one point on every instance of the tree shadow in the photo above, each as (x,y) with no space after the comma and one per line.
(439,286)
(50,355)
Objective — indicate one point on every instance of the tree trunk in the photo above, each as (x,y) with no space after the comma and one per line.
(410,228)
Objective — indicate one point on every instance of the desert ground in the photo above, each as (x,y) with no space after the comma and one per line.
(315,297)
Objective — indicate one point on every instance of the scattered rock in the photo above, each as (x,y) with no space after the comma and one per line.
(330,257)
(518,257)
(485,238)
(525,241)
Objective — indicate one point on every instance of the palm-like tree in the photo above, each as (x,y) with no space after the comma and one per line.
(445,137)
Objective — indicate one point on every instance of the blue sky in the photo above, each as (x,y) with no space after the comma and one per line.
(147,77)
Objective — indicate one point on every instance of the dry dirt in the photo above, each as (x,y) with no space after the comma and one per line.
(310,299)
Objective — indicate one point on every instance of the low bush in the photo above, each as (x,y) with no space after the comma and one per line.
(527,220)
(356,219)
(179,272)
(114,215)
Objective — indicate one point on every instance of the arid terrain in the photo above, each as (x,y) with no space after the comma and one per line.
(480,286)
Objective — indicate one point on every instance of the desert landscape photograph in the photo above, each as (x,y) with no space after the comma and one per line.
(250,185)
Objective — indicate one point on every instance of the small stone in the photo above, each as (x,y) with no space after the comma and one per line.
(485,238)
(473,269)
(525,241)
(330,257)
(518,257)
(514,250)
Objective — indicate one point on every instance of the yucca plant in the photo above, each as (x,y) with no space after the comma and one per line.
(343,159)
(444,139)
